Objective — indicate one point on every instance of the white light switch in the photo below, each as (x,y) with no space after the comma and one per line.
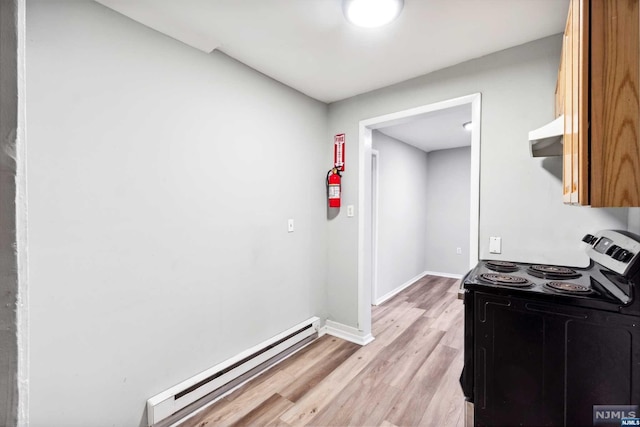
(350,210)
(495,245)
(290,225)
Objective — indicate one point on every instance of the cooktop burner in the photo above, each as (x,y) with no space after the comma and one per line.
(552,272)
(568,287)
(505,279)
(501,266)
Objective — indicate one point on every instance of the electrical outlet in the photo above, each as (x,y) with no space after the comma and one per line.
(459,251)
(290,226)
(350,210)
(495,245)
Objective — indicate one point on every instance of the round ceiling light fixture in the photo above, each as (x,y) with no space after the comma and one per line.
(371,13)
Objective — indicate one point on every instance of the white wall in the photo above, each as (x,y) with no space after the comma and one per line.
(160,181)
(402,211)
(520,197)
(448,199)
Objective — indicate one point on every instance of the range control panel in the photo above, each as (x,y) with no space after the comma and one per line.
(617,250)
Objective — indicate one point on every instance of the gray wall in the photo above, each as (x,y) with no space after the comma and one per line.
(448,194)
(634,220)
(520,197)
(8,256)
(402,209)
(160,181)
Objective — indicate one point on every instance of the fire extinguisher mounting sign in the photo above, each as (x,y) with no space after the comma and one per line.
(338,151)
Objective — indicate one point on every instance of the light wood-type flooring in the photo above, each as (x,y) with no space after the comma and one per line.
(408,376)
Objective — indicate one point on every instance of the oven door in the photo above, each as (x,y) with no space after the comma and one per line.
(544,364)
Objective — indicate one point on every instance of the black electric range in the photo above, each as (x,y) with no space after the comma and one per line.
(555,345)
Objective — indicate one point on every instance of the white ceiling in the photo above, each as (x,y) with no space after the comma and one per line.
(307,44)
(437,130)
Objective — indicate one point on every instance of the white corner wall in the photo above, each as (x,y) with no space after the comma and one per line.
(448,198)
(520,197)
(402,212)
(160,181)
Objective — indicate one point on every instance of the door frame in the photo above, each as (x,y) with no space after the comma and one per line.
(365,238)
(375,154)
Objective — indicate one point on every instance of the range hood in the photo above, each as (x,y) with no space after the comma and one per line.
(547,140)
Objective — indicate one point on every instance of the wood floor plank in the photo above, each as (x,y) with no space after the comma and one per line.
(377,311)
(395,300)
(422,388)
(305,381)
(235,406)
(265,414)
(399,325)
(365,401)
(449,315)
(436,308)
(319,397)
(404,370)
(390,318)
(412,339)
(455,335)
(455,287)
(425,286)
(317,352)
(446,410)
(407,293)
(278,423)
(435,292)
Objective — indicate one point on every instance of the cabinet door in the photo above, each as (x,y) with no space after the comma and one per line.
(576,104)
(580,155)
(615,111)
(518,367)
(575,100)
(544,364)
(567,77)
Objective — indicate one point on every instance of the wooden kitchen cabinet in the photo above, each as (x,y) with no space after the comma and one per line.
(598,92)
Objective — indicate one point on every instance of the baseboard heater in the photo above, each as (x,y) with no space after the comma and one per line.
(182,399)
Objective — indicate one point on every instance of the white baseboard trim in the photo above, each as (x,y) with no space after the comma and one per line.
(400,288)
(345,332)
(449,275)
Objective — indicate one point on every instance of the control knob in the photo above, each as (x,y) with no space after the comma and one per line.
(612,250)
(622,255)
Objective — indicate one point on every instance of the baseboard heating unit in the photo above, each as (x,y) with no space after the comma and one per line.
(182,399)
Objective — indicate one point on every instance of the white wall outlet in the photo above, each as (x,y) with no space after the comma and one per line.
(350,210)
(290,226)
(495,245)
(459,251)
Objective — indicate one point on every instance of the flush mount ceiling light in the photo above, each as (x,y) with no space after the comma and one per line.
(371,13)
(467,126)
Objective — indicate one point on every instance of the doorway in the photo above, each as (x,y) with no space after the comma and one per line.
(367,201)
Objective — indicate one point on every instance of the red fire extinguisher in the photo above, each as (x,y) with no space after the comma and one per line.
(333,187)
